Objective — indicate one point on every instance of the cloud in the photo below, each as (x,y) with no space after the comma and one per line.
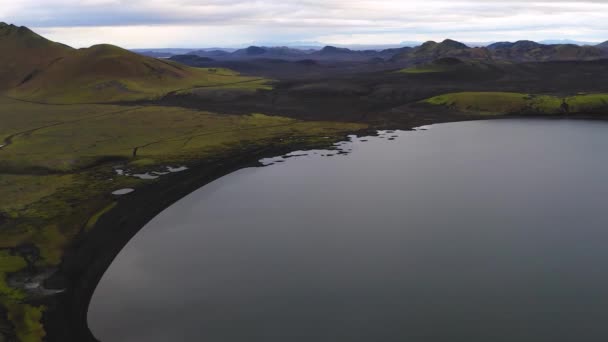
(351,21)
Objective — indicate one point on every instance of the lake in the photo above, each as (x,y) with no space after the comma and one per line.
(473,231)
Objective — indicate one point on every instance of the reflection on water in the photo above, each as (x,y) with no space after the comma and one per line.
(476,231)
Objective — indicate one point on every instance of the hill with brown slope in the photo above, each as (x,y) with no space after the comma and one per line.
(521,51)
(448,48)
(25,53)
(101,73)
(528,51)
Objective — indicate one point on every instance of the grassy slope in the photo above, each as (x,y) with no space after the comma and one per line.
(106,73)
(35,69)
(24,52)
(497,103)
(49,210)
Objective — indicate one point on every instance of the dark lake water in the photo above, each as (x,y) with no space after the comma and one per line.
(476,231)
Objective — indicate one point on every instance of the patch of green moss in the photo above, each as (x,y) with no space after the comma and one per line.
(27,322)
(422,70)
(588,102)
(498,103)
(9,264)
(25,318)
(93,220)
(19,191)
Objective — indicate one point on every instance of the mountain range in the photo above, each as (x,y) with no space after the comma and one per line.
(520,51)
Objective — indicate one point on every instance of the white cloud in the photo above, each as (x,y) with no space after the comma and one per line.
(220,22)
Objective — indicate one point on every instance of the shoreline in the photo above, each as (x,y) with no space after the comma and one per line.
(91,254)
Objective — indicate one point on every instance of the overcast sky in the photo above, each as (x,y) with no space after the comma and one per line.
(205,23)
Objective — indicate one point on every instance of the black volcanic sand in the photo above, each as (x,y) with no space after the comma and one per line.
(390,99)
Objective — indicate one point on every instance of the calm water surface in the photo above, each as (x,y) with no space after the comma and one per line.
(477,231)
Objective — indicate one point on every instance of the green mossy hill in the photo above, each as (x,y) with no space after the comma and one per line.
(448,48)
(498,103)
(24,53)
(35,69)
(106,73)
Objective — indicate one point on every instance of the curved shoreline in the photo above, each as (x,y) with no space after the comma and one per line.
(91,254)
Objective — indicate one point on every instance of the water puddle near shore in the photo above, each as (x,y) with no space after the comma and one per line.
(121,171)
(473,231)
(123,192)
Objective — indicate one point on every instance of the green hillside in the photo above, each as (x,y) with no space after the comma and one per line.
(448,48)
(498,103)
(24,53)
(106,73)
(36,69)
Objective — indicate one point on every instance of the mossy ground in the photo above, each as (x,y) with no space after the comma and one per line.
(499,103)
(56,175)
(24,317)
(426,69)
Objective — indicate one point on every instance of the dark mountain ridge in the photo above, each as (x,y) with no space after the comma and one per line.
(520,51)
(526,51)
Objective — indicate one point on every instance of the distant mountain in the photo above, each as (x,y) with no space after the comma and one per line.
(448,48)
(521,45)
(36,69)
(435,50)
(603,46)
(525,50)
(24,53)
(291,54)
(155,54)
(520,51)
(344,54)
(270,52)
(254,52)
(210,53)
(192,60)
(161,52)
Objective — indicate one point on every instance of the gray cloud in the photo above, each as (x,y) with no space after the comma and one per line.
(312,19)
